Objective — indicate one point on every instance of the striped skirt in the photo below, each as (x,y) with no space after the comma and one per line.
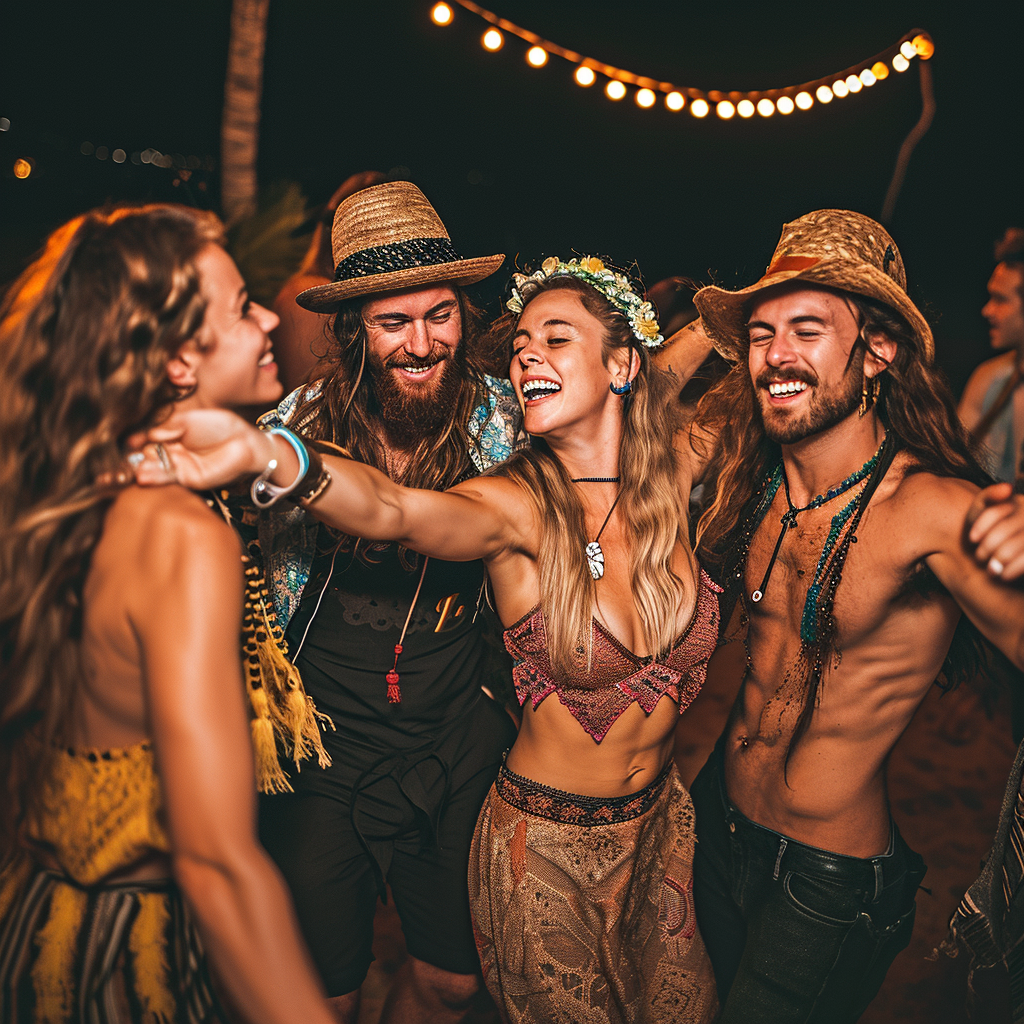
(100,955)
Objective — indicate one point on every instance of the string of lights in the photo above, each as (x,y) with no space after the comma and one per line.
(849,81)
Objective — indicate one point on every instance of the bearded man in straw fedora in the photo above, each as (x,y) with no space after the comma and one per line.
(393,647)
(844,483)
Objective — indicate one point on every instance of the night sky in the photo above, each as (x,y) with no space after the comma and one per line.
(524,161)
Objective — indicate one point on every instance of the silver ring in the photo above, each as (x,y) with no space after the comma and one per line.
(135,459)
(165,459)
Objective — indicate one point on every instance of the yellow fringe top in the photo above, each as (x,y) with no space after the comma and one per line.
(101,813)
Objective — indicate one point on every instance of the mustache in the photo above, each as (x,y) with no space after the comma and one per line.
(438,354)
(770,376)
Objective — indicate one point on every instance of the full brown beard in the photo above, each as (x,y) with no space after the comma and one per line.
(409,413)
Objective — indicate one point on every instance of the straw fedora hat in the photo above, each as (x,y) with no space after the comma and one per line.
(389,237)
(835,248)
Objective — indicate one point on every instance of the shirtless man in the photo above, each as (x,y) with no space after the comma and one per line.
(992,405)
(839,458)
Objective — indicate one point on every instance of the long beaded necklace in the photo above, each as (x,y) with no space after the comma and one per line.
(809,618)
(595,556)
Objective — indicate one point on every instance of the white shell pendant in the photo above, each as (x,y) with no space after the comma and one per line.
(595,559)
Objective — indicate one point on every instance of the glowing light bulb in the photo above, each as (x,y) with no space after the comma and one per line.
(645,98)
(536,56)
(900,63)
(923,47)
(441,14)
(724,109)
(493,40)
(22,168)
(853,83)
(745,108)
(907,49)
(804,100)
(699,108)
(868,77)
(615,90)
(785,105)
(675,101)
(880,70)
(839,89)
(824,94)
(765,107)
(585,76)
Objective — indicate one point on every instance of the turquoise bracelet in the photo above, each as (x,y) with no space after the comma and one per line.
(263,492)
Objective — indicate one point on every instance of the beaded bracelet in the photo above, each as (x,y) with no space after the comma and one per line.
(263,492)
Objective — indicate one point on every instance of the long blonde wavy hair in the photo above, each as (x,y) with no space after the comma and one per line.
(85,336)
(650,503)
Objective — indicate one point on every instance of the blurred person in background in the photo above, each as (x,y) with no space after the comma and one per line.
(300,339)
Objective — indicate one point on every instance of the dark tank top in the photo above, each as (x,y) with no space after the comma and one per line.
(452,646)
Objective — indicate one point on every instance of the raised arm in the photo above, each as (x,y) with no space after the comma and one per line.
(683,353)
(188,620)
(481,518)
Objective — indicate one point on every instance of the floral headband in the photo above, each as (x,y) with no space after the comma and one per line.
(616,288)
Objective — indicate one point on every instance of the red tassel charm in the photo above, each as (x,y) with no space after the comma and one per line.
(394,690)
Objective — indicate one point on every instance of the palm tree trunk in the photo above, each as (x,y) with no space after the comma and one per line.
(239,134)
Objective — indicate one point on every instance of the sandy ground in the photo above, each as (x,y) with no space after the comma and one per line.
(946,780)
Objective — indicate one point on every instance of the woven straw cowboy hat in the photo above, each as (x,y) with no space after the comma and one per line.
(835,248)
(389,237)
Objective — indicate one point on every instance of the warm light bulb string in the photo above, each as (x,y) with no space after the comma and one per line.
(851,80)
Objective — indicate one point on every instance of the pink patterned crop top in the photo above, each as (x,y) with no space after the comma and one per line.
(618,677)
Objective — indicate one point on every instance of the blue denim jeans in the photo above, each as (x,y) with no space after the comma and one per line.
(794,933)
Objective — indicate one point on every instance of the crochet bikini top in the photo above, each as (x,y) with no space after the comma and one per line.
(101,812)
(617,677)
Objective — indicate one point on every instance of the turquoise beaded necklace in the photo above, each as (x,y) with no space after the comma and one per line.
(809,618)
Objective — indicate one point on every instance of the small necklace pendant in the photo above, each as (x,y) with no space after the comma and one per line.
(595,559)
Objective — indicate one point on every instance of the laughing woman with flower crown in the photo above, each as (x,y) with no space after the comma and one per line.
(580,873)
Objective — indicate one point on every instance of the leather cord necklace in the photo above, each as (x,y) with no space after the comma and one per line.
(789,516)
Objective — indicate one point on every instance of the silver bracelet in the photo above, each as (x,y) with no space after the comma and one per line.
(262,492)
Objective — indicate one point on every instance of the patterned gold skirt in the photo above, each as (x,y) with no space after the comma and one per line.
(583,906)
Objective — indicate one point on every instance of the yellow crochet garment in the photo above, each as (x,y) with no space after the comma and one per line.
(101,812)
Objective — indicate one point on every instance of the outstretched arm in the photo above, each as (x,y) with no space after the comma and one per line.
(993,604)
(480,518)
(187,617)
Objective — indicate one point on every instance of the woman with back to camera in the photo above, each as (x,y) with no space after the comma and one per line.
(127,818)
(581,869)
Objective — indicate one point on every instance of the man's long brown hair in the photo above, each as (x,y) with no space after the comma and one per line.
(85,336)
(346,411)
(650,503)
(919,414)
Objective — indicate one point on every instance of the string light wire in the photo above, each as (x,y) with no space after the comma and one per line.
(841,84)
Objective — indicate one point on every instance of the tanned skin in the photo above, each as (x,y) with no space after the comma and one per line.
(492,518)
(905,584)
(162,616)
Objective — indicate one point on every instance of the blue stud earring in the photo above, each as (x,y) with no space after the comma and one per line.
(622,391)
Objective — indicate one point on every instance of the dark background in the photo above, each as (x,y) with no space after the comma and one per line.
(524,161)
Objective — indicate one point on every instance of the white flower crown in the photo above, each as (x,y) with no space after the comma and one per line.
(615,287)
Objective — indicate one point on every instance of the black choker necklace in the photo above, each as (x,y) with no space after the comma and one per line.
(595,479)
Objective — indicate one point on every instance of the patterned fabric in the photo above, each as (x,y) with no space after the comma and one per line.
(989,922)
(617,677)
(395,256)
(124,954)
(589,923)
(101,812)
(287,535)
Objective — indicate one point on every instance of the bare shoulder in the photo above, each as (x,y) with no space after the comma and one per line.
(497,492)
(929,510)
(165,530)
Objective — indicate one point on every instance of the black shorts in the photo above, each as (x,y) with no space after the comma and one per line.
(333,870)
